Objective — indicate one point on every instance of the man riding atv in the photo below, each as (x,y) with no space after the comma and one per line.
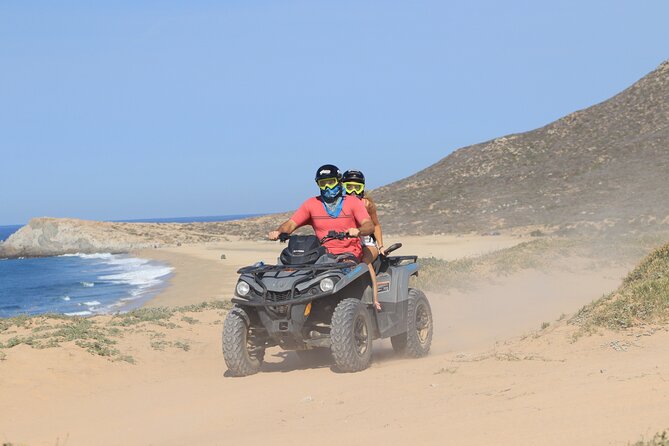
(318,298)
(331,211)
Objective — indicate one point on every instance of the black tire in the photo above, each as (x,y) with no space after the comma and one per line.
(241,355)
(416,341)
(399,343)
(351,336)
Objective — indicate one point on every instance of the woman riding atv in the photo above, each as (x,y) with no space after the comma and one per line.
(372,245)
(331,211)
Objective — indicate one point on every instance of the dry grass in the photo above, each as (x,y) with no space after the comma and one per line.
(642,298)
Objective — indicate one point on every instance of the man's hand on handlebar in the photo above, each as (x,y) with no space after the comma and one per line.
(277,235)
(334,235)
(353,232)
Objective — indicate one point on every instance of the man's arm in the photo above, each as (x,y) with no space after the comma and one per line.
(299,218)
(287,226)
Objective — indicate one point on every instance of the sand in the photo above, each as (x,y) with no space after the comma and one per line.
(492,377)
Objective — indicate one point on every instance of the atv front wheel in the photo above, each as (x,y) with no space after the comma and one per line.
(242,355)
(351,336)
(416,341)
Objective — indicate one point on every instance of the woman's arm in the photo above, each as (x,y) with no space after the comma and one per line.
(378,233)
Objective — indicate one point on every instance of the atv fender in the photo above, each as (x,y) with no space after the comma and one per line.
(393,286)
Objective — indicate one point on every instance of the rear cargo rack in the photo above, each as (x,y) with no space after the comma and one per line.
(402,260)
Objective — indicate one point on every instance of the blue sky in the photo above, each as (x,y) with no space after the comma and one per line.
(126,109)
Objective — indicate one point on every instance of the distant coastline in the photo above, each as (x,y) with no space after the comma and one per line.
(7,230)
(201,219)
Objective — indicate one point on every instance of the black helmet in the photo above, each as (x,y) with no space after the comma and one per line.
(354,176)
(328,171)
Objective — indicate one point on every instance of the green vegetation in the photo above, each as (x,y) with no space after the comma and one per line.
(85,333)
(189,320)
(158,316)
(642,298)
(99,336)
(162,344)
(659,439)
(185,346)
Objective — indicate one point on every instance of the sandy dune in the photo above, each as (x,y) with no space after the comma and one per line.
(493,376)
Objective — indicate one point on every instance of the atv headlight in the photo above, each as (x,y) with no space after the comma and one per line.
(326,285)
(243,288)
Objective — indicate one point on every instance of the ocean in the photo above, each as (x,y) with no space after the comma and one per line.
(83,284)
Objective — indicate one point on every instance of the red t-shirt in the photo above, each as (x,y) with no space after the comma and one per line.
(353,213)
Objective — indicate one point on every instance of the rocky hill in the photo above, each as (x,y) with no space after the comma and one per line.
(607,165)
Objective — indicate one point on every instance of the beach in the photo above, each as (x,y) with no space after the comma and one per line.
(493,375)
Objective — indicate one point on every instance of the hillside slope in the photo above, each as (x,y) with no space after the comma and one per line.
(608,163)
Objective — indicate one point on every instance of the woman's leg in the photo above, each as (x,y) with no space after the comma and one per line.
(369,254)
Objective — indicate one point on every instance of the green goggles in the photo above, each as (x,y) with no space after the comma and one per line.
(352,187)
(327,183)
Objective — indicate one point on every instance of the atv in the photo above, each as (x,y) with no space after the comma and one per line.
(313,302)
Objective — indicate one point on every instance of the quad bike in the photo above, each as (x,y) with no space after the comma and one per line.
(312,302)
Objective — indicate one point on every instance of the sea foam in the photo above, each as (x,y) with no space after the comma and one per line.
(100,255)
(79,313)
(142,275)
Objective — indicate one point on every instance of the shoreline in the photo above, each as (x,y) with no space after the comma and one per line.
(199,274)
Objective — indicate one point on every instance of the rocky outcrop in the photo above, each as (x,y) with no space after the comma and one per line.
(55,236)
(52,236)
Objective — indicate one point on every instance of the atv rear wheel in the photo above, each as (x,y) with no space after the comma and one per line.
(416,341)
(241,352)
(351,336)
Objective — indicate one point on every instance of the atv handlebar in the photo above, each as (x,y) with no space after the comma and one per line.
(334,235)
